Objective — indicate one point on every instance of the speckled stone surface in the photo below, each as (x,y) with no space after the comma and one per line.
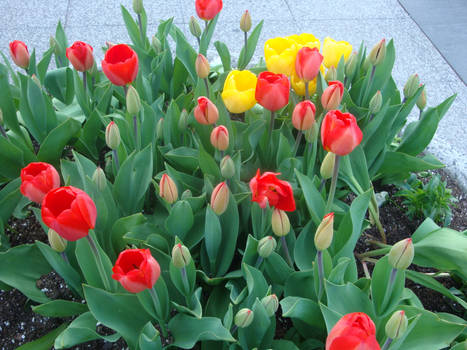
(370,20)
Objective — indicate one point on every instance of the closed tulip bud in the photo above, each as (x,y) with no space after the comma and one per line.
(183,121)
(227,167)
(168,189)
(266,246)
(80,56)
(220,138)
(138,6)
(112,136)
(366,63)
(340,133)
(19,53)
(56,242)
(280,223)
(308,63)
(220,198)
(245,22)
(378,53)
(401,254)
(303,116)
(181,256)
(243,318)
(331,74)
(411,86)
(376,102)
(421,102)
(206,112)
(195,29)
(160,129)
(396,325)
(327,166)
(351,65)
(332,95)
(156,44)
(133,102)
(202,66)
(325,232)
(99,179)
(187,194)
(271,304)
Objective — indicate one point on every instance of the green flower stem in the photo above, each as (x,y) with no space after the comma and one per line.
(332,190)
(234,329)
(85,83)
(65,257)
(199,43)
(307,90)
(99,263)
(206,83)
(117,163)
(2,130)
(320,274)
(186,285)
(271,127)
(140,23)
(297,143)
(258,262)
(135,127)
(387,343)
(157,307)
(286,251)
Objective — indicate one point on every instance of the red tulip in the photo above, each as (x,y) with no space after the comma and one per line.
(340,133)
(70,212)
(120,64)
(19,53)
(267,188)
(136,270)
(355,331)
(272,90)
(208,9)
(80,56)
(303,115)
(220,138)
(206,112)
(37,179)
(332,95)
(307,63)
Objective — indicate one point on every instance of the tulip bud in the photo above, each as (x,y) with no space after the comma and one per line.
(202,66)
(138,6)
(421,102)
(227,167)
(327,166)
(280,223)
(181,256)
(99,178)
(195,29)
(332,95)
(245,22)
(243,318)
(156,44)
(325,232)
(411,86)
(183,121)
(133,102)
(220,198)
(351,65)
(396,325)
(168,189)
(160,129)
(266,246)
(331,74)
(378,53)
(56,242)
(376,102)
(271,304)
(35,79)
(220,138)
(206,112)
(401,254)
(112,136)
(187,194)
(303,116)
(366,63)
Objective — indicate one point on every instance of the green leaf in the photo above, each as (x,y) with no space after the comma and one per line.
(212,235)
(60,84)
(397,162)
(246,55)
(180,219)
(305,250)
(132,27)
(207,35)
(60,308)
(90,135)
(256,283)
(208,165)
(253,336)
(25,266)
(7,103)
(11,158)
(53,145)
(224,54)
(187,330)
(306,310)
(45,342)
(81,95)
(186,54)
(149,338)
(313,199)
(183,158)
(355,299)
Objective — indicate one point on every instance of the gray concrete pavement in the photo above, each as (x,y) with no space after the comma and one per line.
(370,20)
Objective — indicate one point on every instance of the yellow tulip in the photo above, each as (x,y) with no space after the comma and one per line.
(280,54)
(306,39)
(239,91)
(334,50)
(299,85)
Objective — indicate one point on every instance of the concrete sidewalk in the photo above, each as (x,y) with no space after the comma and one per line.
(33,21)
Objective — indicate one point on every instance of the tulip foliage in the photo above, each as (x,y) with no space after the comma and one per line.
(190,202)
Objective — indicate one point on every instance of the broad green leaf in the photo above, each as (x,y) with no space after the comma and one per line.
(53,145)
(180,219)
(253,336)
(355,299)
(247,54)
(305,250)
(306,310)
(10,196)
(313,199)
(45,342)
(224,54)
(212,236)
(60,308)
(7,103)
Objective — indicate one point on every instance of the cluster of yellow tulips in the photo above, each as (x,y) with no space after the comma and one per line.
(280,55)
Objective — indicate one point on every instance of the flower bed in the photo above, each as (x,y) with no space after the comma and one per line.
(194,205)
